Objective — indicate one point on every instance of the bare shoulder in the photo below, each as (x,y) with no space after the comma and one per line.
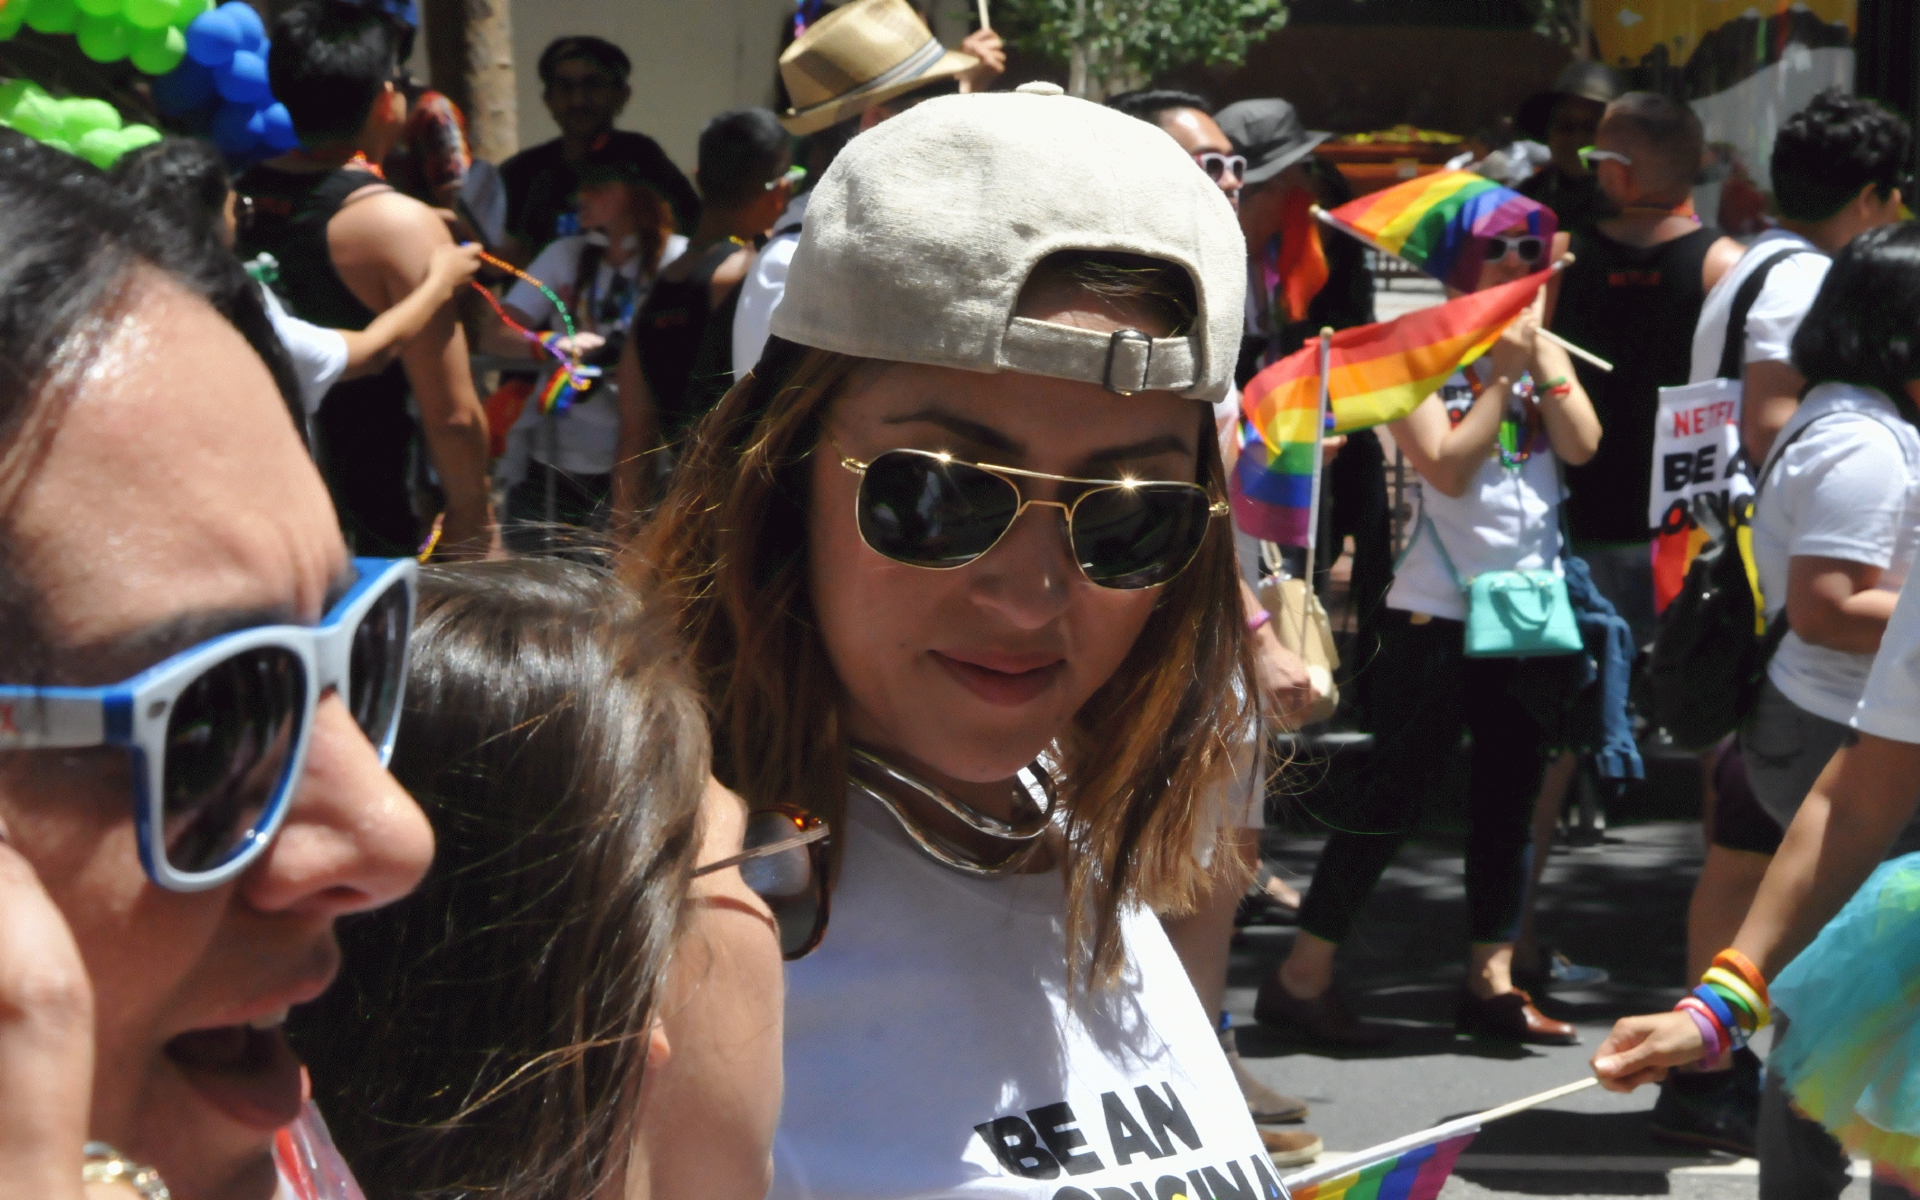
(734,269)
(1720,259)
(383,223)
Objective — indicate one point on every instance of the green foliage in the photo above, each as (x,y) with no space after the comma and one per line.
(1111,45)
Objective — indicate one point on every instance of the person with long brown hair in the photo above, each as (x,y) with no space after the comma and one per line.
(953,565)
(583,999)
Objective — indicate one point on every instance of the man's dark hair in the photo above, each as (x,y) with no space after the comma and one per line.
(1149,103)
(329,62)
(741,152)
(1832,148)
(1864,325)
(598,51)
(68,250)
(183,176)
(1667,137)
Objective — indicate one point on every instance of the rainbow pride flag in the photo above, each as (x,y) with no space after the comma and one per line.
(1440,222)
(1377,373)
(1416,1174)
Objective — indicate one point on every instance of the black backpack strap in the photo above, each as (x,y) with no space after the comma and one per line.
(1734,351)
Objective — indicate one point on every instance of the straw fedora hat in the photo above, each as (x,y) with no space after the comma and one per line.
(860,55)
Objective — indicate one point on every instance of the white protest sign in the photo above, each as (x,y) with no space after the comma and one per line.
(1696,452)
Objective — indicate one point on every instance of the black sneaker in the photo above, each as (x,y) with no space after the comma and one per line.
(1714,1109)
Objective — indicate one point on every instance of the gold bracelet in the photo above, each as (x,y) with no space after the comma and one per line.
(106,1165)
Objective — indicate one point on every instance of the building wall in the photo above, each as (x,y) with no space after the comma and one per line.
(691,59)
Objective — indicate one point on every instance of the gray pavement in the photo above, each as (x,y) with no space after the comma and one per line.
(1620,905)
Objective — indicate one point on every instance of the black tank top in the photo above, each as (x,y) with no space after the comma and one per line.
(667,334)
(1636,308)
(290,215)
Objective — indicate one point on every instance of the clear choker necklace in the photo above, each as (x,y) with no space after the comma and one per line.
(875,777)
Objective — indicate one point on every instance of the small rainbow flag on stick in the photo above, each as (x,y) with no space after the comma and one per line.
(1376,373)
(1414,1167)
(1440,222)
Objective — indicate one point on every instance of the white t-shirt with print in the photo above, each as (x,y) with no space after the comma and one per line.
(581,440)
(1777,311)
(1849,488)
(1890,706)
(933,1050)
(1508,520)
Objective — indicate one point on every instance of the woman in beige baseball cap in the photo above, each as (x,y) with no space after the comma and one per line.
(954,564)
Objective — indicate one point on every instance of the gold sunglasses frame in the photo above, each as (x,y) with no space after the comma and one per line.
(1215,508)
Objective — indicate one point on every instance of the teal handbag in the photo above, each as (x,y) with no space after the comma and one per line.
(1514,614)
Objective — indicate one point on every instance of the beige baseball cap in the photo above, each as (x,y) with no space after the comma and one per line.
(921,234)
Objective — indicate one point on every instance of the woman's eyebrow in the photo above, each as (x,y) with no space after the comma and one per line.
(1149,448)
(984,436)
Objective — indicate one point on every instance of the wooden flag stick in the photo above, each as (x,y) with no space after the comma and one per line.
(1580,352)
(1351,1163)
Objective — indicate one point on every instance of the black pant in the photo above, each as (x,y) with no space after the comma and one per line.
(364,439)
(1426,693)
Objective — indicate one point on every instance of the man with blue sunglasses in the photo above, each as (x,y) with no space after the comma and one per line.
(199,692)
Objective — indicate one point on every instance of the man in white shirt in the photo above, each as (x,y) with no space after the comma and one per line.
(1836,168)
(864,43)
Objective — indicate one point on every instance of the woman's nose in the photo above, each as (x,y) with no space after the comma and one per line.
(1027,574)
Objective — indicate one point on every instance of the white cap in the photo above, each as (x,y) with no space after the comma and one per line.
(920,236)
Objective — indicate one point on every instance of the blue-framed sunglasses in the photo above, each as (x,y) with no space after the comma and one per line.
(218,734)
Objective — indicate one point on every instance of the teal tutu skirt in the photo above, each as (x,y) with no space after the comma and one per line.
(1851,1059)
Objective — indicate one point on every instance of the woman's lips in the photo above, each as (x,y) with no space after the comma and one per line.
(1002,680)
(248,1072)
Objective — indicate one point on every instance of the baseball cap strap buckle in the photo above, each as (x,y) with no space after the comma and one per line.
(1129,362)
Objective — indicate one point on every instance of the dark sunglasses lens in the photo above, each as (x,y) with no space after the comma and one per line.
(1530,248)
(1136,537)
(1214,166)
(230,740)
(379,652)
(786,881)
(918,510)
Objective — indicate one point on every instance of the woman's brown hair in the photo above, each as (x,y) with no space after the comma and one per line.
(1138,763)
(488,1033)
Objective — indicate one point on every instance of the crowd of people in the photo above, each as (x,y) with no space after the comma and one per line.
(750,796)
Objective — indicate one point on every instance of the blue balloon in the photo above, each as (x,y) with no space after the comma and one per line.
(277,127)
(253,34)
(244,79)
(187,88)
(230,131)
(213,38)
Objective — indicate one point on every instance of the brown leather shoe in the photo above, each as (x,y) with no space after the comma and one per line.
(1511,1017)
(1291,1147)
(1325,1018)
(1266,1106)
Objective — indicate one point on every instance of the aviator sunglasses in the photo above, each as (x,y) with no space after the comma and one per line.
(784,862)
(931,510)
(1530,249)
(218,734)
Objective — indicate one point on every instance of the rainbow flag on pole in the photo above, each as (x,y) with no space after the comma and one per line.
(1415,1174)
(1378,373)
(1440,222)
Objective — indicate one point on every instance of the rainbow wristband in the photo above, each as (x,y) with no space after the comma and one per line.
(1717,1005)
(1735,989)
(1732,960)
(1257,620)
(1710,1037)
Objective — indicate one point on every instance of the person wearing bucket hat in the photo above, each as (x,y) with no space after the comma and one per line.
(850,70)
(1566,117)
(950,561)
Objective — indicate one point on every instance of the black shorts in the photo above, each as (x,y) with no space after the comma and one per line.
(1739,823)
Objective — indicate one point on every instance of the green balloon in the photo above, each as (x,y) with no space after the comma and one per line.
(37,116)
(100,8)
(157,51)
(78,118)
(135,136)
(151,14)
(13,14)
(13,91)
(189,9)
(105,39)
(101,147)
(51,16)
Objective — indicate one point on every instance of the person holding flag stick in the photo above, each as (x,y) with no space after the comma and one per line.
(1485,561)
